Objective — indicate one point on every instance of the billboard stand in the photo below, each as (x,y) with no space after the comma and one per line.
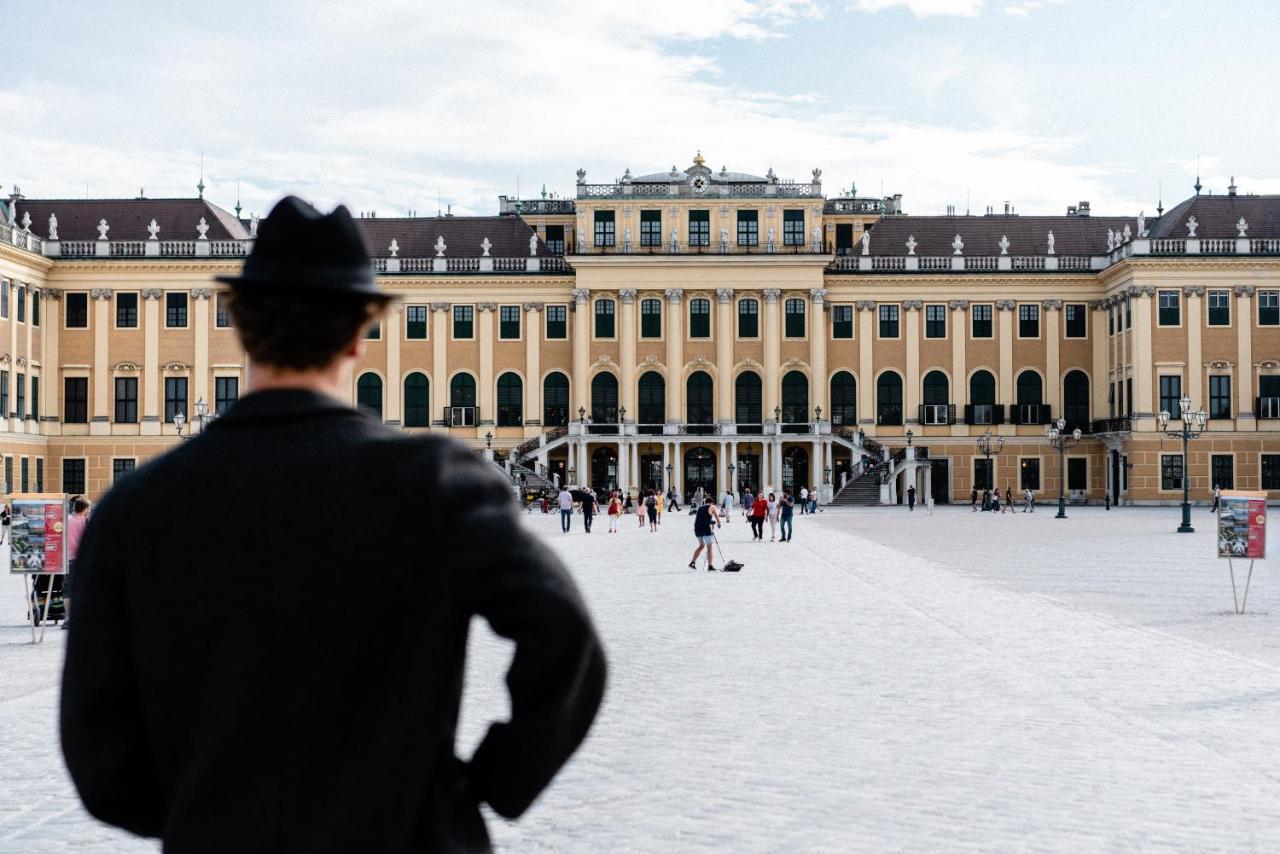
(33,606)
(37,525)
(1240,604)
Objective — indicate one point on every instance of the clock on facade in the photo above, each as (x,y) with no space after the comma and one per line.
(698,183)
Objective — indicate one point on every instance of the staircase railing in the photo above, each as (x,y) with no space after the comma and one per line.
(528,447)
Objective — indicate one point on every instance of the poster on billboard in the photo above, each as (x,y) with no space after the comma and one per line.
(1242,525)
(37,534)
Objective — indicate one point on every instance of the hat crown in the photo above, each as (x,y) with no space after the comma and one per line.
(296,233)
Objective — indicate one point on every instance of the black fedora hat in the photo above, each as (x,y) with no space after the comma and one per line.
(300,249)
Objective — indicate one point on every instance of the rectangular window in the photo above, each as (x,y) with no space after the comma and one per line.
(1171,471)
(4,298)
(20,297)
(20,389)
(1268,397)
(1170,395)
(888,321)
(557,323)
(1219,396)
(35,398)
(1028,321)
(650,319)
(1269,308)
(509,322)
(700,318)
(40,474)
(4,395)
(604,318)
(555,239)
(650,228)
(463,322)
(126,400)
(222,310)
(374,332)
(8,474)
(842,321)
(982,473)
(77,310)
(122,466)
(793,228)
(415,318)
(794,312)
(935,321)
(25,468)
(226,391)
(981,321)
(1222,471)
(748,318)
(1075,327)
(1077,474)
(1271,471)
(1219,308)
(126,311)
(699,228)
(1111,320)
(75,400)
(175,398)
(175,311)
(35,308)
(1128,313)
(73,476)
(748,228)
(1128,393)
(604,233)
(1170,309)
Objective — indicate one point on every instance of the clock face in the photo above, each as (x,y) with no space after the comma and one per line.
(698,183)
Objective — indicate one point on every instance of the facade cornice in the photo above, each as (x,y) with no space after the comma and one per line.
(22,256)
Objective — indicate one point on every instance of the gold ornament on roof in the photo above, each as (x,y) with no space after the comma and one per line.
(698,159)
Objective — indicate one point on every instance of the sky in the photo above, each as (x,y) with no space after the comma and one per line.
(417,105)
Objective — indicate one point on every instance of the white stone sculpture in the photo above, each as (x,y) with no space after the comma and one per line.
(203,228)
(957,246)
(1242,227)
(1050,241)
(866,242)
(911,243)
(1142,223)
(394,248)
(1111,240)
(533,244)
(626,234)
(253,225)
(152,230)
(102,229)
(485,246)
(1128,234)
(1004,244)
(26,220)
(675,235)
(1192,225)
(772,235)
(724,234)
(53,227)
(440,247)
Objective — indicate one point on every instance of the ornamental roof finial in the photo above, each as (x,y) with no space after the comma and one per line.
(698,159)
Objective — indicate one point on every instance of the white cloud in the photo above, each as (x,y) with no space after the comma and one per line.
(924,8)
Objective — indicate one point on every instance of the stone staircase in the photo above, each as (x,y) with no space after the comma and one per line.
(862,491)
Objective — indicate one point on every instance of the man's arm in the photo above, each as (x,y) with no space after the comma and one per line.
(557,674)
(102,730)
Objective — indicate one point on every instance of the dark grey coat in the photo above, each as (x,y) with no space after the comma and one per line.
(271,621)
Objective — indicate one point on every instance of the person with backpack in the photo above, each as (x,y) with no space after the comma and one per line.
(588,509)
(651,510)
(786,505)
(615,511)
(704,523)
(911,498)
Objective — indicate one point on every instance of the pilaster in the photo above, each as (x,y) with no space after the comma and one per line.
(818,350)
(532,364)
(866,367)
(101,425)
(1195,347)
(627,349)
(393,330)
(1098,339)
(485,312)
(725,334)
(772,350)
(1244,358)
(1052,309)
(151,298)
(581,307)
(200,298)
(1005,309)
(959,367)
(675,354)
(911,320)
(1143,361)
(439,358)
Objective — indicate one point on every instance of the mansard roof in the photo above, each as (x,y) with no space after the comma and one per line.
(415,237)
(1028,235)
(127,219)
(1217,216)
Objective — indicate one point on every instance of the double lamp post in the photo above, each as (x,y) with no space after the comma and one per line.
(1191,428)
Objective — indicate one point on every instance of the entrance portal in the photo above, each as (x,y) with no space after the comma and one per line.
(699,471)
(940,483)
(604,469)
(795,469)
(748,473)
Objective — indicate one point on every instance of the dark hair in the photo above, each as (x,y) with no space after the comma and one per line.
(282,330)
(79,505)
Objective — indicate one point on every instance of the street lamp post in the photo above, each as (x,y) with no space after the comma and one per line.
(1062,441)
(622,414)
(731,485)
(910,435)
(582,415)
(1191,428)
(179,421)
(988,449)
(488,440)
(670,471)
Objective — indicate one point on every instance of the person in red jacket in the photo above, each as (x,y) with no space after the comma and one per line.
(759,510)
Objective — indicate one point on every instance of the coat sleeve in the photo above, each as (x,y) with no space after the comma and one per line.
(101,724)
(557,674)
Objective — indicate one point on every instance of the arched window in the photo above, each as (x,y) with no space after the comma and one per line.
(555,400)
(604,398)
(844,399)
(746,396)
(1030,389)
(369,394)
(652,402)
(510,400)
(795,398)
(417,400)
(699,399)
(462,390)
(982,389)
(936,389)
(1075,400)
(889,398)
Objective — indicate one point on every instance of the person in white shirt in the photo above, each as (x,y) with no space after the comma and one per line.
(565,498)
(1030,497)
(726,504)
(804,499)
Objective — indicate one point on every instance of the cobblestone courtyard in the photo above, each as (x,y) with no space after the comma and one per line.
(887,681)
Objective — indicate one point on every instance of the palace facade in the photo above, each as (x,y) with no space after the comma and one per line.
(692,327)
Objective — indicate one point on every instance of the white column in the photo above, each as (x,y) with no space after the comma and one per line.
(393,332)
(675,354)
(818,351)
(866,368)
(1244,357)
(532,364)
(724,354)
(581,307)
(1195,349)
(624,467)
(439,350)
(911,319)
(627,350)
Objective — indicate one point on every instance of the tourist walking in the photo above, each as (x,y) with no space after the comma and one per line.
(1008,500)
(785,507)
(973,500)
(705,520)
(773,517)
(615,510)
(565,500)
(759,510)
(995,501)
(804,500)
(726,505)
(75,531)
(657,494)
(651,509)
(588,509)
(699,496)
(219,731)
(673,503)
(748,501)
(642,508)
(1217,496)
(911,498)
(1030,499)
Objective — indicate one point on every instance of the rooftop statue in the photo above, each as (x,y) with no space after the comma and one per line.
(1192,225)
(53,227)
(1050,242)
(440,247)
(957,246)
(911,243)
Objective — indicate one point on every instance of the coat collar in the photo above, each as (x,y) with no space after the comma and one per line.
(283,404)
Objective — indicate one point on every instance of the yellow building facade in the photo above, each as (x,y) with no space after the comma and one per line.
(692,328)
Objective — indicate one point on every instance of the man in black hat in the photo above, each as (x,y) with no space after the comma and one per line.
(271,619)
